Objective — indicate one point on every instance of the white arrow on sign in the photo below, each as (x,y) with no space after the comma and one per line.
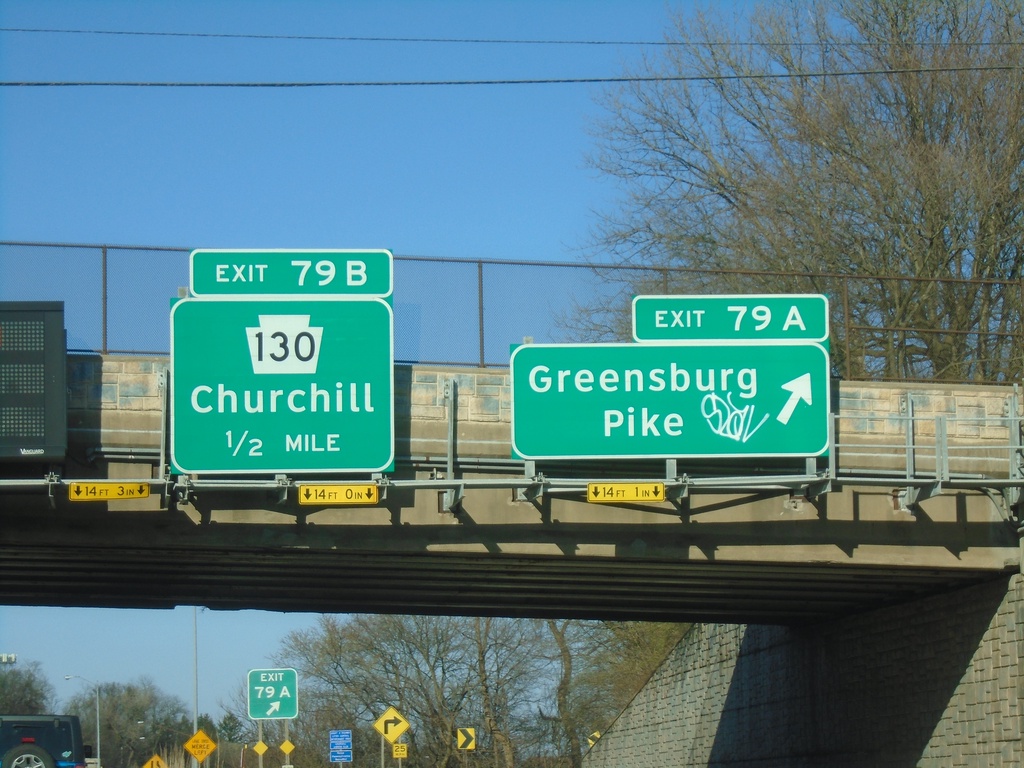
(274,706)
(799,389)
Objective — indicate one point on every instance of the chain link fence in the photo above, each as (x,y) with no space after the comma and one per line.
(470,311)
(447,311)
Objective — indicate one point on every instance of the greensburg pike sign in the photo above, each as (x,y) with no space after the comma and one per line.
(669,400)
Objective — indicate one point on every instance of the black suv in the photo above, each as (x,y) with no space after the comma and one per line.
(42,741)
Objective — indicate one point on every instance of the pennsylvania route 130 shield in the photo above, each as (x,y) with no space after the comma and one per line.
(282,386)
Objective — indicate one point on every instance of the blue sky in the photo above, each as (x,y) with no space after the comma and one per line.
(492,171)
(464,171)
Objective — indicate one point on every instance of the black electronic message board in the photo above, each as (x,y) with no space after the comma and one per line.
(33,381)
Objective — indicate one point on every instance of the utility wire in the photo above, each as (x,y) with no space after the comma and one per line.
(489,40)
(340,38)
(532,81)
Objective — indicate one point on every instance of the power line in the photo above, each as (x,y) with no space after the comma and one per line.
(338,38)
(527,81)
(491,40)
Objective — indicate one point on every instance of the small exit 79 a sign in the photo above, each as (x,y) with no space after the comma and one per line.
(273,694)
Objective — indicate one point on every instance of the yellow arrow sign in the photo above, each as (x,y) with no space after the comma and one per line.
(391,725)
(155,762)
(466,739)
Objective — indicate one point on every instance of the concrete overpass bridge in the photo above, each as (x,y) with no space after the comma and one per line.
(919,494)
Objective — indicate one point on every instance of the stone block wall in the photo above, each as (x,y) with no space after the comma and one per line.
(116,401)
(874,420)
(935,683)
(123,395)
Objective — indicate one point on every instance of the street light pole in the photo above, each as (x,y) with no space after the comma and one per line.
(195,678)
(96,690)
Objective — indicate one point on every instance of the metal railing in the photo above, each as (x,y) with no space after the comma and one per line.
(454,311)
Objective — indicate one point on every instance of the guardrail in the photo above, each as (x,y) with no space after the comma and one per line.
(469,311)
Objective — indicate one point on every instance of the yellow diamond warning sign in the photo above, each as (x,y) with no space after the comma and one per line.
(200,746)
(391,725)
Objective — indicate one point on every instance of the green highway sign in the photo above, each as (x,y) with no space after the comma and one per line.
(281,274)
(282,386)
(669,400)
(714,319)
(273,694)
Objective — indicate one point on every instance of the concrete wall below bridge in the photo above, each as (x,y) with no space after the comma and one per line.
(937,683)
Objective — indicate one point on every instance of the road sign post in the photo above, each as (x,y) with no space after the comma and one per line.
(669,400)
(282,386)
(273,694)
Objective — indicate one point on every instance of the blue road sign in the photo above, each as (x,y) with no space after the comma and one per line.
(341,746)
(341,739)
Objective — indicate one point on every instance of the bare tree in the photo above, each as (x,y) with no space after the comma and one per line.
(533,690)
(138,721)
(510,671)
(24,690)
(567,716)
(359,667)
(827,139)
(624,654)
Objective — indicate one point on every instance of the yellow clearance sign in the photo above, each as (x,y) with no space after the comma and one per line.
(338,494)
(107,490)
(615,493)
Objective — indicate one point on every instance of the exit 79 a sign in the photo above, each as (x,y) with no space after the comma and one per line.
(669,400)
(273,694)
(752,319)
